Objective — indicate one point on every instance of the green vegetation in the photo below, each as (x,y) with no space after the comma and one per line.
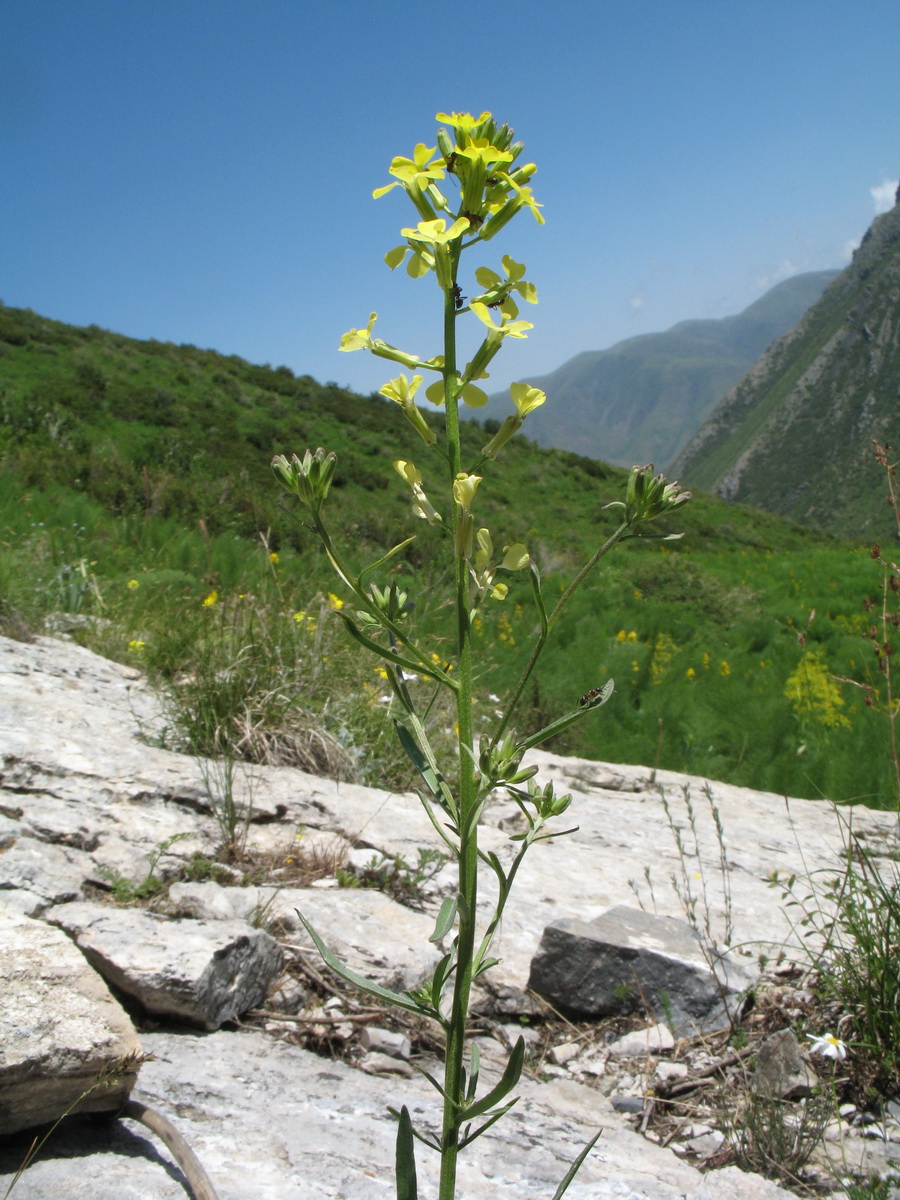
(135,486)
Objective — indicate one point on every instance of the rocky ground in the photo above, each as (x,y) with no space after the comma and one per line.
(276,1073)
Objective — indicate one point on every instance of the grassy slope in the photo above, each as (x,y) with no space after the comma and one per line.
(136,484)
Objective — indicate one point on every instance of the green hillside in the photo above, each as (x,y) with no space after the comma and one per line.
(643,399)
(138,513)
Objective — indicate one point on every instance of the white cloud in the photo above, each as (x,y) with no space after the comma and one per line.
(884,194)
(636,303)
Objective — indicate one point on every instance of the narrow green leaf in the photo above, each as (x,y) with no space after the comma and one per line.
(381,561)
(568,718)
(445,919)
(419,760)
(510,1078)
(372,989)
(538,597)
(407,1186)
(470,1137)
(407,664)
(573,1170)
(473,1071)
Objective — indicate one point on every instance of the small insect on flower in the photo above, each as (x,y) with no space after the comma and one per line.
(827,1045)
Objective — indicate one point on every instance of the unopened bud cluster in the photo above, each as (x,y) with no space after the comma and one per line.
(308,478)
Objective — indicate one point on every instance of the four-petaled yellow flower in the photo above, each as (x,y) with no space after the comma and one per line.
(481,151)
(462,120)
(359,339)
(436,233)
(526,398)
(417,171)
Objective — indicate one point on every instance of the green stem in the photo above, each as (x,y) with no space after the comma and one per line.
(551,620)
(454,1088)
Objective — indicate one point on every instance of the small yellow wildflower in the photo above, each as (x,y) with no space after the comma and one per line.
(691,673)
(705,661)
(273,558)
(724,668)
(132,584)
(136,646)
(382,672)
(335,602)
(210,599)
(621,635)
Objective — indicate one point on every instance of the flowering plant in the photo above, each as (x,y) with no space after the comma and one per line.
(480,160)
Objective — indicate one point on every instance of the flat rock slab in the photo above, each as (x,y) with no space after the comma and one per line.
(368,931)
(627,960)
(270,1121)
(60,1029)
(200,971)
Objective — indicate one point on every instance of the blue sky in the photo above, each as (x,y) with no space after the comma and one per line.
(201,170)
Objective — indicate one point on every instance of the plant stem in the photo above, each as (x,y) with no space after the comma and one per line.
(540,642)
(454,1086)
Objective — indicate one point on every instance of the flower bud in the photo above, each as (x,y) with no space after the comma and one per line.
(308,478)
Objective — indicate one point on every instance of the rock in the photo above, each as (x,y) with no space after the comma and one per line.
(205,972)
(378,1063)
(368,931)
(781,1070)
(670,1070)
(60,1029)
(564,1053)
(274,1122)
(84,791)
(626,959)
(642,1042)
(385,1041)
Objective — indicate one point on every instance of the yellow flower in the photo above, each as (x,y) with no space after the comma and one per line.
(335,602)
(136,646)
(382,672)
(132,584)
(691,673)
(621,635)
(418,171)
(814,693)
(210,599)
(724,668)
(273,558)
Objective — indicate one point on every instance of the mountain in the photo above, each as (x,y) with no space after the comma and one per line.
(642,399)
(795,434)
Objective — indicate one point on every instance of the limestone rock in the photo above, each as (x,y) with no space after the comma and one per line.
(781,1071)
(643,1042)
(626,959)
(205,972)
(273,1122)
(60,1029)
(368,931)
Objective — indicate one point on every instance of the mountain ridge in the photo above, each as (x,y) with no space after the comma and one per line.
(640,399)
(795,434)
